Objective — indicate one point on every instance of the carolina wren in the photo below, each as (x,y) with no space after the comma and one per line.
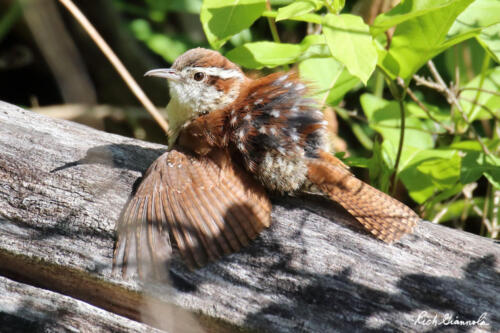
(233,139)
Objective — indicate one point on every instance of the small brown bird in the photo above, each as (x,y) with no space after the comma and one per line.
(233,139)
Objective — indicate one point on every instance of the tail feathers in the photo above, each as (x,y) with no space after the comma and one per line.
(385,217)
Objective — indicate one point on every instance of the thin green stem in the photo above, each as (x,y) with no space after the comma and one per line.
(487,199)
(379,84)
(400,96)
(484,67)
(274,30)
(356,128)
(400,147)
(424,108)
(312,18)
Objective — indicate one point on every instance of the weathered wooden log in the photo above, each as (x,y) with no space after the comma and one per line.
(25,308)
(63,186)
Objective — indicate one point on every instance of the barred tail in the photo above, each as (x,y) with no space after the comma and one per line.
(385,217)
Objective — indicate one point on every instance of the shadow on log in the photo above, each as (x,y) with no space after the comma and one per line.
(63,186)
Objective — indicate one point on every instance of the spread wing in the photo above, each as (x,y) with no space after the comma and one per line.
(205,206)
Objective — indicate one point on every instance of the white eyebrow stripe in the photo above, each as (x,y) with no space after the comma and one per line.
(220,72)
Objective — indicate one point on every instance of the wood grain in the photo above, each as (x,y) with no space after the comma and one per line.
(25,308)
(63,186)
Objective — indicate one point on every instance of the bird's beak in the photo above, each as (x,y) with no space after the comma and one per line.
(167,73)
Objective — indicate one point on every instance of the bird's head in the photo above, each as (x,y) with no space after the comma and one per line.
(200,81)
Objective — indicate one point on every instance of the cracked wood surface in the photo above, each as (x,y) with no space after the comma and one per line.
(63,186)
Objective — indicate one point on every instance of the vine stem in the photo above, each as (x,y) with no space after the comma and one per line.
(311,18)
(400,98)
(274,30)
(115,61)
(484,68)
(423,107)
(494,223)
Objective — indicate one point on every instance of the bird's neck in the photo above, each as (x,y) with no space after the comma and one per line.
(178,114)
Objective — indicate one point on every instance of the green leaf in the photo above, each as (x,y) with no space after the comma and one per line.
(311,40)
(456,209)
(298,8)
(489,98)
(481,18)
(434,111)
(169,48)
(420,38)
(358,162)
(480,14)
(380,172)
(269,54)
(242,37)
(222,19)
(264,54)
(385,117)
(280,2)
(164,45)
(344,84)
(351,44)
(157,10)
(422,177)
(489,38)
(444,173)
(322,73)
(473,145)
(185,6)
(475,164)
(455,59)
(338,5)
(314,46)
(433,205)
(141,29)
(405,11)
(361,131)
(328,79)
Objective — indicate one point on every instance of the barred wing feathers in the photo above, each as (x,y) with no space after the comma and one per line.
(205,206)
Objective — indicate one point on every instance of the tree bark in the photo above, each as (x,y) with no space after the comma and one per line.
(63,186)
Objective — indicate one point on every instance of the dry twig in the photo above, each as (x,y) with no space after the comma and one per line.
(423,107)
(451,96)
(120,68)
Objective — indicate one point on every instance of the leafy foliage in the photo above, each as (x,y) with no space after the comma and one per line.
(350,43)
(439,140)
(222,19)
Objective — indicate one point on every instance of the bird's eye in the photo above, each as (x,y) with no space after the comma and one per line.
(198,76)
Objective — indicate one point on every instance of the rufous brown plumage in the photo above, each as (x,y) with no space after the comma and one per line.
(232,139)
